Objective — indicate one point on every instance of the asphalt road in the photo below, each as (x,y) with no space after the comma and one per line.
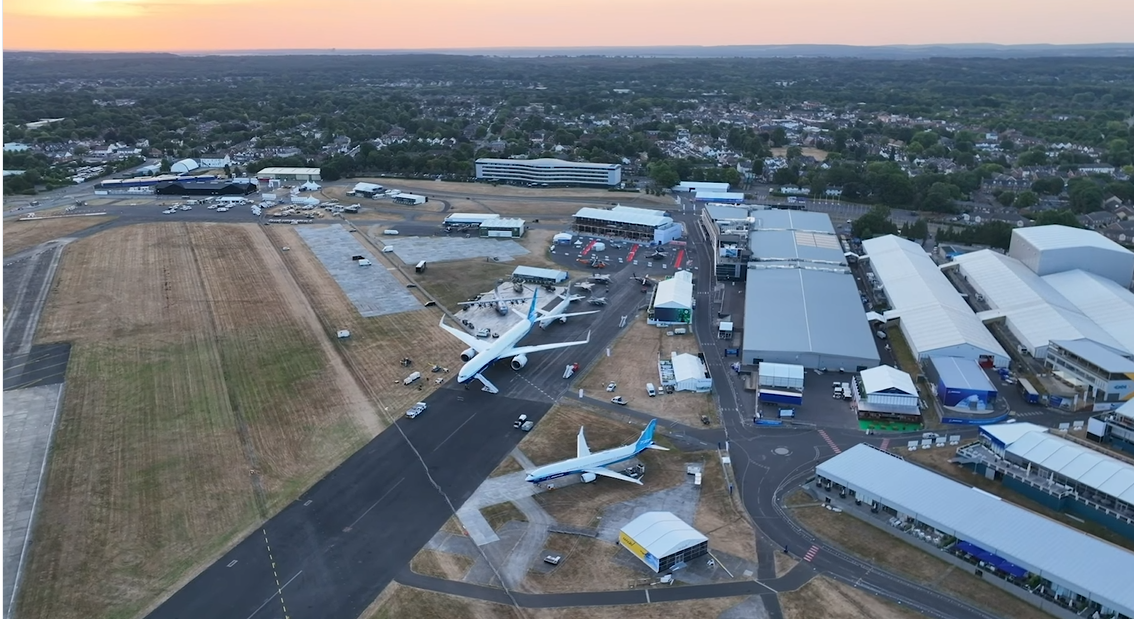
(335,548)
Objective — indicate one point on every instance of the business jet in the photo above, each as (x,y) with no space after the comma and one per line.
(483,353)
(589,466)
(547,317)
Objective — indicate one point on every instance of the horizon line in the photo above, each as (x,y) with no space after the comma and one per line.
(475,50)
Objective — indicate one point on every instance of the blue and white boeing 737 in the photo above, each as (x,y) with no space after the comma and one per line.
(589,466)
(483,353)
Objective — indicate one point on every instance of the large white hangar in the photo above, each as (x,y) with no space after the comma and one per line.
(1054,249)
(1034,311)
(801,303)
(935,320)
(1104,302)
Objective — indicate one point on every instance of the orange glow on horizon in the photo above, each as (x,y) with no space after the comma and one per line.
(214,25)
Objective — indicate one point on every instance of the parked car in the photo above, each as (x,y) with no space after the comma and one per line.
(619,400)
(416,410)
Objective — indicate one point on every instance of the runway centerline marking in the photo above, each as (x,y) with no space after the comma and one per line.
(351,525)
(272,597)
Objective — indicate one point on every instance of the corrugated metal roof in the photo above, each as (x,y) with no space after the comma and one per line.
(960,373)
(1102,356)
(675,292)
(800,310)
(300,171)
(662,533)
(1064,237)
(718,195)
(721,211)
(626,215)
(1104,302)
(1035,310)
(502,222)
(472,218)
(1073,461)
(1066,556)
(933,314)
(883,377)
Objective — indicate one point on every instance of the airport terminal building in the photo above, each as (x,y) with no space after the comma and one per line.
(549,172)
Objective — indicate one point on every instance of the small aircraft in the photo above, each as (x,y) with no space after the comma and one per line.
(598,301)
(644,280)
(500,303)
(601,279)
(483,353)
(589,466)
(585,285)
(657,255)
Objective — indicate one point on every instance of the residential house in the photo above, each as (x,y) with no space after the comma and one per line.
(215,161)
(1121,232)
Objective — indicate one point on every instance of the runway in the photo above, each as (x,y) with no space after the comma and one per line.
(335,548)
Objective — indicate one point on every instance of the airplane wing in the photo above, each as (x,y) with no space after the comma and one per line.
(524,350)
(581,445)
(598,470)
(574,314)
(475,344)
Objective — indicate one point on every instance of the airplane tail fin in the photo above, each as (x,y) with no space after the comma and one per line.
(533,314)
(647,437)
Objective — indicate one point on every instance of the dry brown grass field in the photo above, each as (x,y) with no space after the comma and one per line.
(199,399)
(633,362)
(718,517)
(441,564)
(376,345)
(20,235)
(588,565)
(830,599)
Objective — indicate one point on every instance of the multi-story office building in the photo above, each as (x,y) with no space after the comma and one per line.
(539,172)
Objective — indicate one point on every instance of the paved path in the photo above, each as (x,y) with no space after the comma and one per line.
(530,544)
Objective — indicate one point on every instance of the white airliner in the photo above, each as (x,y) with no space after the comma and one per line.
(547,317)
(483,353)
(589,465)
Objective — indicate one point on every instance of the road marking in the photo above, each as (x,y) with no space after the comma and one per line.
(276,575)
(272,597)
(307,502)
(830,443)
(351,525)
(231,563)
(811,552)
(647,596)
(885,443)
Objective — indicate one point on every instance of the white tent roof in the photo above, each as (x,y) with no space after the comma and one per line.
(1008,433)
(662,533)
(933,313)
(1086,466)
(626,215)
(1107,304)
(368,187)
(1064,237)
(781,370)
(310,186)
(883,377)
(687,367)
(1126,410)
(1067,557)
(675,292)
(1034,309)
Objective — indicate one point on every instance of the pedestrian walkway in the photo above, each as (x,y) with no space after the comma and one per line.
(830,443)
(885,444)
(811,552)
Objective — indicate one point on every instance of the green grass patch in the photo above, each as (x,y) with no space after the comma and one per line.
(888,426)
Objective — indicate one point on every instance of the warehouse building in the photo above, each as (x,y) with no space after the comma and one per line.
(961,383)
(636,224)
(727,228)
(468,219)
(695,186)
(410,199)
(931,314)
(184,166)
(780,383)
(1032,309)
(289,174)
(1103,374)
(1102,301)
(673,301)
(663,541)
(802,306)
(885,393)
(204,189)
(541,277)
(1010,542)
(685,372)
(719,197)
(1114,428)
(1055,249)
(502,228)
(548,171)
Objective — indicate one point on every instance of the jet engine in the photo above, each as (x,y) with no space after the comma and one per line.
(519,361)
(467,355)
(588,477)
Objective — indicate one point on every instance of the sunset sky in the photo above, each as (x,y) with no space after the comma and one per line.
(203,25)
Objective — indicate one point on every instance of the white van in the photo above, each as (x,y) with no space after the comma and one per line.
(650,390)
(390,232)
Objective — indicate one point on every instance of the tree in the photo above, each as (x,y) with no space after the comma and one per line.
(779,137)
(1061,218)
(1025,199)
(794,151)
(1086,197)
(1006,198)
(663,175)
(166,165)
(1051,186)
(875,222)
(1123,191)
